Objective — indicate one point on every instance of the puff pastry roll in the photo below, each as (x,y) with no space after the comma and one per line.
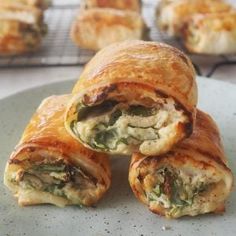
(133,5)
(134,96)
(171,15)
(49,166)
(191,179)
(98,27)
(211,33)
(42,4)
(21,29)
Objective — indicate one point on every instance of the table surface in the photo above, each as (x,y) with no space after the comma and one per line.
(15,80)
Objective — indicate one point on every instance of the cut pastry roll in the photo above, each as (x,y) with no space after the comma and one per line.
(98,27)
(133,5)
(21,29)
(134,96)
(49,166)
(191,179)
(211,33)
(171,15)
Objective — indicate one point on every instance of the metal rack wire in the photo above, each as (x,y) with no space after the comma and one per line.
(58,50)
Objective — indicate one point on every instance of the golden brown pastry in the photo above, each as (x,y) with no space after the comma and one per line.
(49,166)
(172,15)
(21,29)
(133,5)
(211,33)
(43,4)
(191,179)
(98,27)
(134,96)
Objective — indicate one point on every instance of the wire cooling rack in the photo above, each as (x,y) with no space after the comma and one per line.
(58,50)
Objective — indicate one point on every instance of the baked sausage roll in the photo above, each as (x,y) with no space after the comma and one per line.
(98,27)
(211,33)
(191,179)
(133,5)
(171,16)
(49,166)
(42,4)
(21,29)
(134,96)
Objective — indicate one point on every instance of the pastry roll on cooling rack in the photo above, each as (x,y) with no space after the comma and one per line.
(49,166)
(43,4)
(191,179)
(133,5)
(21,29)
(171,15)
(98,27)
(211,33)
(134,96)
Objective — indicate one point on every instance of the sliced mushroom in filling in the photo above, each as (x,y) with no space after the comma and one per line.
(60,179)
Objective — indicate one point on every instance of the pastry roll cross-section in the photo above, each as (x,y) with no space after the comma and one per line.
(133,5)
(21,29)
(96,28)
(134,96)
(191,179)
(49,166)
(171,15)
(211,33)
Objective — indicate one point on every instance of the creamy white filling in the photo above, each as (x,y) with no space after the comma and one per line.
(75,192)
(203,202)
(149,134)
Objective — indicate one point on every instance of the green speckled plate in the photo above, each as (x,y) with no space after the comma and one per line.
(119,213)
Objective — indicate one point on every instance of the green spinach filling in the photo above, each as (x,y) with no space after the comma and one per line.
(172,192)
(106,133)
(56,179)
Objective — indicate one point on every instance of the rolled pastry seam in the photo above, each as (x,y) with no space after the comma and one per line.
(171,15)
(96,28)
(211,33)
(133,5)
(22,29)
(42,4)
(191,179)
(49,166)
(134,96)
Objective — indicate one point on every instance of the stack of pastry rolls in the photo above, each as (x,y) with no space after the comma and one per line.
(22,26)
(206,26)
(137,99)
(100,23)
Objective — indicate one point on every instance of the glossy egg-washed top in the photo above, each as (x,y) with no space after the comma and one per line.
(158,66)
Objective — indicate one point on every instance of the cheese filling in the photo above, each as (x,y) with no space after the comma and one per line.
(122,129)
(183,192)
(59,179)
